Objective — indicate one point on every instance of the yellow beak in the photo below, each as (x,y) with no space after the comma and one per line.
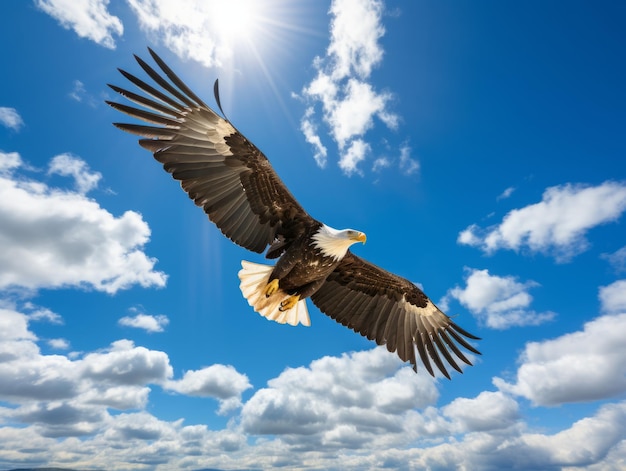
(361,237)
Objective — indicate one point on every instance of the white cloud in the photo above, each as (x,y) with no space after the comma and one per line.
(309,130)
(130,440)
(582,366)
(405,163)
(10,118)
(617,259)
(52,396)
(589,441)
(365,410)
(196,29)
(506,193)
(488,411)
(501,302)
(79,94)
(25,375)
(59,344)
(468,236)
(54,238)
(78,91)
(13,326)
(219,381)
(125,364)
(61,397)
(355,154)
(557,225)
(586,442)
(88,18)
(9,162)
(70,165)
(408,165)
(37,313)
(348,100)
(381,163)
(346,402)
(355,30)
(114,377)
(613,297)
(146,322)
(351,116)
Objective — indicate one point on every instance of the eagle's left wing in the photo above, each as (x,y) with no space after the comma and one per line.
(392,311)
(221,171)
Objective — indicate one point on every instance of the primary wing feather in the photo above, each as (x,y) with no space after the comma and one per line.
(221,171)
(394,312)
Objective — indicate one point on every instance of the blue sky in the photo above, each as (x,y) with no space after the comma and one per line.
(479,145)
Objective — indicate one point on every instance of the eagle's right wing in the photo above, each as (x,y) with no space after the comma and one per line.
(394,312)
(221,171)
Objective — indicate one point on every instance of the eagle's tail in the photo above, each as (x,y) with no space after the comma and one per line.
(254,278)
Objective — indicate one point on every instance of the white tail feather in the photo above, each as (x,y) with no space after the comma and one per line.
(254,278)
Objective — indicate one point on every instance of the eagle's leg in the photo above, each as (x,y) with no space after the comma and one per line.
(271,288)
(290,302)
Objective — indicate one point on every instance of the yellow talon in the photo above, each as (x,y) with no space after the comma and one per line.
(271,288)
(288,303)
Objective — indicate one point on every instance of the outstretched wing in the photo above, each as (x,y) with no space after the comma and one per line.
(392,311)
(220,170)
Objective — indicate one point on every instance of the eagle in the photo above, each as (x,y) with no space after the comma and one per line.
(234,183)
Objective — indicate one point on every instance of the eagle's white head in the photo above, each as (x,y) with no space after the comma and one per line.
(335,243)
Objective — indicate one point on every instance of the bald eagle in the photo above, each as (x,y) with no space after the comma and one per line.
(235,184)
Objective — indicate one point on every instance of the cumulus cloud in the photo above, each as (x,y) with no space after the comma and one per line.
(345,402)
(501,302)
(72,166)
(71,397)
(125,364)
(555,226)
(59,344)
(9,161)
(129,437)
(89,19)
(10,118)
(219,381)
(356,153)
(14,327)
(38,313)
(53,398)
(468,236)
(54,237)
(589,441)
(352,116)
(586,365)
(488,411)
(147,322)
(363,410)
(24,373)
(613,297)
(349,103)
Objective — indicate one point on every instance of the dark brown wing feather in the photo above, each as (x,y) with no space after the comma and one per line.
(220,170)
(394,312)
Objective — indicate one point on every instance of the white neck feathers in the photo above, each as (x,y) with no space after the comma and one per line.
(331,242)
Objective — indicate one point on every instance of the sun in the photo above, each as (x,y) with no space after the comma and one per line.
(238,20)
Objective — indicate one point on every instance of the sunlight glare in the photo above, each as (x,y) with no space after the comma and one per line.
(237,19)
